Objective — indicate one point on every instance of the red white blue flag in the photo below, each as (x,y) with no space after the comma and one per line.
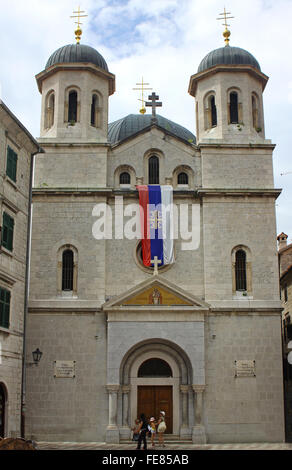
(156,214)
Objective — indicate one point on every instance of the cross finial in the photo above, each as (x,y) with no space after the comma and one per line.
(143,109)
(226,32)
(153,103)
(156,261)
(78,30)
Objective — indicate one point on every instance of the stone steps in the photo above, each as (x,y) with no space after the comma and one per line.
(168,439)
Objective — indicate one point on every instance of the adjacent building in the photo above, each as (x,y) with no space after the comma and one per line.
(17,147)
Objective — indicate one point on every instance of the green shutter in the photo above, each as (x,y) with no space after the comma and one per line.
(11,167)
(7,231)
(4,307)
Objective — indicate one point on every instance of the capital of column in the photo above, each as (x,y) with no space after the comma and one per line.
(198,388)
(126,388)
(184,388)
(112,388)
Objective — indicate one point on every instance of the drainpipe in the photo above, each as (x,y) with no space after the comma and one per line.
(26,293)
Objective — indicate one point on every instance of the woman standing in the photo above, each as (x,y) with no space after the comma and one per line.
(143,428)
(161,428)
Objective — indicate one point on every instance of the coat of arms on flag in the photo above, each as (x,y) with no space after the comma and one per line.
(156,215)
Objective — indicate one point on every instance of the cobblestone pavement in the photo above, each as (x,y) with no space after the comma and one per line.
(103,446)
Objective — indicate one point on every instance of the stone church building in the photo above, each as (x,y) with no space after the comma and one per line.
(200,339)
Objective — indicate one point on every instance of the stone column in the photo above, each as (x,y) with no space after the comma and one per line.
(198,432)
(112,432)
(184,429)
(125,431)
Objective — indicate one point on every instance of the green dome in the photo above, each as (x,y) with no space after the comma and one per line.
(133,123)
(77,53)
(228,55)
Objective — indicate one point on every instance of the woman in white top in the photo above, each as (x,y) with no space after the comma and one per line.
(161,428)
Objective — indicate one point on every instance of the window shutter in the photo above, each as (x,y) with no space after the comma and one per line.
(4,308)
(11,167)
(7,231)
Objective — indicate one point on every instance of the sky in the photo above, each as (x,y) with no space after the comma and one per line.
(162,41)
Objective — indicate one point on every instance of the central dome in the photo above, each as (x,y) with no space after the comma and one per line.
(228,55)
(133,123)
(77,53)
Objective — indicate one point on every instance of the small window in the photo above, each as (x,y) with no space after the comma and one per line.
(72,110)
(182,178)
(4,307)
(125,178)
(67,270)
(240,270)
(94,111)
(11,166)
(7,231)
(50,110)
(213,111)
(153,169)
(233,107)
(285,293)
(154,368)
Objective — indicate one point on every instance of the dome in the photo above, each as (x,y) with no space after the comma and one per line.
(228,55)
(77,53)
(133,123)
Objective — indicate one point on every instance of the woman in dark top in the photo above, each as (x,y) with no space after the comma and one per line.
(143,428)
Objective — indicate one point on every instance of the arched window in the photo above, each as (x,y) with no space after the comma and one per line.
(240,270)
(255,112)
(94,111)
(154,368)
(50,110)
(153,170)
(233,104)
(213,111)
(72,106)
(67,270)
(182,178)
(125,178)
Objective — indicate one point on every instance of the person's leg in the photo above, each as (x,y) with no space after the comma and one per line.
(139,441)
(144,441)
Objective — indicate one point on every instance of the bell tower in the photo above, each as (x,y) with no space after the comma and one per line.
(228,88)
(75,87)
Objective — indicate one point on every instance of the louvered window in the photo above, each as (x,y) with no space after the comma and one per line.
(182,178)
(213,112)
(240,270)
(233,108)
(153,170)
(67,270)
(72,112)
(4,307)
(7,232)
(11,167)
(125,178)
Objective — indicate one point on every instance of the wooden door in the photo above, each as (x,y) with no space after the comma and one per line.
(2,411)
(155,398)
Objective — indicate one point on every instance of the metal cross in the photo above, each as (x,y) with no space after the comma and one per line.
(78,31)
(153,103)
(226,33)
(142,110)
(156,261)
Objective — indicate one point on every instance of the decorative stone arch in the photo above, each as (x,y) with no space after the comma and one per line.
(248,261)
(180,381)
(210,109)
(161,159)
(183,169)
(3,409)
(238,92)
(49,109)
(96,108)
(68,92)
(121,169)
(60,252)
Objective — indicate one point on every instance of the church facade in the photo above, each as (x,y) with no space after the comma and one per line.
(201,337)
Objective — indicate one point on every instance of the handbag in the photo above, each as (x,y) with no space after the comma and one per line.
(161,427)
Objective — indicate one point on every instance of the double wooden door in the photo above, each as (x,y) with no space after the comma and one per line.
(155,398)
(2,411)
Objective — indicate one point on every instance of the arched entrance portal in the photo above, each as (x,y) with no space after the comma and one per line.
(156,376)
(2,410)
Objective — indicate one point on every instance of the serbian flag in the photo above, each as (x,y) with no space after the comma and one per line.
(156,215)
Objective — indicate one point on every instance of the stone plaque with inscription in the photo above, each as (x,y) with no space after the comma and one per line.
(245,368)
(65,369)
